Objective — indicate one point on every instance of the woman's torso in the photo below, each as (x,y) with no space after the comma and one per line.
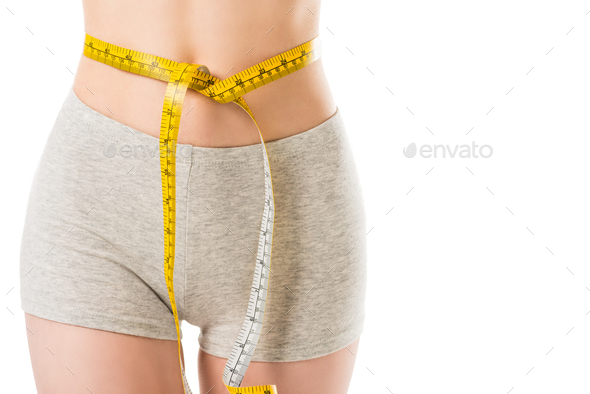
(228,37)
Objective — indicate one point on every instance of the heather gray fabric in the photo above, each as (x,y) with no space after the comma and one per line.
(92,251)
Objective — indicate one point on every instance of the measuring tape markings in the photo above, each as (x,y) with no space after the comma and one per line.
(180,77)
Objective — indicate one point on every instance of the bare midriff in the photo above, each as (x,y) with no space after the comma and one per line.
(227,36)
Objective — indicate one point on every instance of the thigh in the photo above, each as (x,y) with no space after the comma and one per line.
(73,359)
(327,374)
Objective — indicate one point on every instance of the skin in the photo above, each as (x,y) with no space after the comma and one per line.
(228,37)
(107,362)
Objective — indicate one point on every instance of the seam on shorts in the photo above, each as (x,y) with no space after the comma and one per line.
(329,141)
(343,333)
(277,157)
(190,170)
(96,130)
(94,314)
(333,137)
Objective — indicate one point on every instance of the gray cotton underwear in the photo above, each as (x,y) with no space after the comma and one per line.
(92,250)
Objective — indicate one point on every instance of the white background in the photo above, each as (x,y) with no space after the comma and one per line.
(479,269)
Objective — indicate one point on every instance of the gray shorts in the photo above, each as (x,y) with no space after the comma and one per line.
(92,250)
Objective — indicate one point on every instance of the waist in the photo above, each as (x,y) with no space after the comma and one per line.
(285,107)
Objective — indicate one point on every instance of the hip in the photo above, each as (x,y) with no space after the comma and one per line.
(96,199)
(91,160)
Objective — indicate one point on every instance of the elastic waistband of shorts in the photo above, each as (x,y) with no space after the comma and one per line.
(323,134)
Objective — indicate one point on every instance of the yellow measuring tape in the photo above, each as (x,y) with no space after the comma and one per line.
(181,76)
